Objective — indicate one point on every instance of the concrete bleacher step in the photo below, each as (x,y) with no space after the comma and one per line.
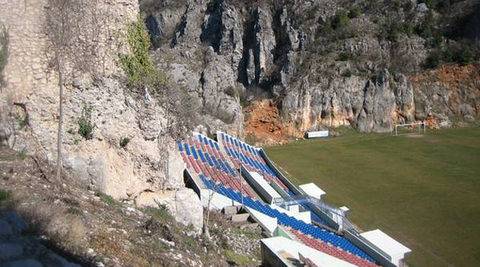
(236,214)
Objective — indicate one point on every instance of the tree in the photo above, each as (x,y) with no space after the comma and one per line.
(66,20)
(206,220)
(58,33)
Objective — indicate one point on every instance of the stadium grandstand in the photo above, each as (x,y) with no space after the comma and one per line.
(229,172)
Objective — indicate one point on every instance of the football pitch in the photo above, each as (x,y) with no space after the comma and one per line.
(422,190)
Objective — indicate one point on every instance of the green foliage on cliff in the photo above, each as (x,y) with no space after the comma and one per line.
(3,51)
(462,52)
(354,12)
(4,195)
(138,65)
(340,20)
(392,29)
(85,124)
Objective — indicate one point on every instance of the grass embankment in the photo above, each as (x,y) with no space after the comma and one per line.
(424,191)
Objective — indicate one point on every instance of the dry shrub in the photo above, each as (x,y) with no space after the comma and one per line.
(67,229)
(56,223)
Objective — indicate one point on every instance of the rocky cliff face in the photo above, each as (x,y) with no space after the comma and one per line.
(324,63)
(312,63)
(126,152)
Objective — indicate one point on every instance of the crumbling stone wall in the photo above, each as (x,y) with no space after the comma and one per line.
(28,67)
(123,171)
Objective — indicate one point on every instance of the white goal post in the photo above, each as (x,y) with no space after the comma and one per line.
(416,127)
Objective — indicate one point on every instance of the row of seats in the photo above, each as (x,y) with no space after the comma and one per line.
(318,233)
(197,157)
(204,156)
(258,163)
(245,152)
(330,250)
(242,153)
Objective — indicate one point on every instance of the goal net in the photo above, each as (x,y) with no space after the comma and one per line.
(410,128)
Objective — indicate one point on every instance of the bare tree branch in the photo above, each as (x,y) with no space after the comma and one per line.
(66,21)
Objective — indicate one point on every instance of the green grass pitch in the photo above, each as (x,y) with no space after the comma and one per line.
(422,190)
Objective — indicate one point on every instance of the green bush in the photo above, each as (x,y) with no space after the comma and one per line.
(465,56)
(161,214)
(408,5)
(22,154)
(436,41)
(340,20)
(347,73)
(106,199)
(433,60)
(439,5)
(324,29)
(345,56)
(392,29)
(462,52)
(124,142)
(4,195)
(396,5)
(138,65)
(85,125)
(236,259)
(354,12)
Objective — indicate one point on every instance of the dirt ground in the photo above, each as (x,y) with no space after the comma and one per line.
(263,124)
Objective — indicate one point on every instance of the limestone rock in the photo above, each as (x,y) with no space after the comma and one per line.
(422,8)
(378,107)
(184,205)
(117,112)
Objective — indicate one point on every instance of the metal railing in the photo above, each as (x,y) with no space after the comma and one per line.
(332,212)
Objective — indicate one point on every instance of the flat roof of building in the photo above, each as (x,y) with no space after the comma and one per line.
(288,251)
(312,190)
(385,242)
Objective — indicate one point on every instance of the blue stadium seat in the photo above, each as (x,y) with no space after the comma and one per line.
(179,145)
(209,160)
(202,157)
(194,152)
(211,143)
(301,226)
(186,149)
(238,153)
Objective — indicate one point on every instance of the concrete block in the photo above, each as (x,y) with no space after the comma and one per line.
(240,217)
(231,210)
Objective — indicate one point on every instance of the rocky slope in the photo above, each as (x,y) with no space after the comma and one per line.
(324,63)
(44,222)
